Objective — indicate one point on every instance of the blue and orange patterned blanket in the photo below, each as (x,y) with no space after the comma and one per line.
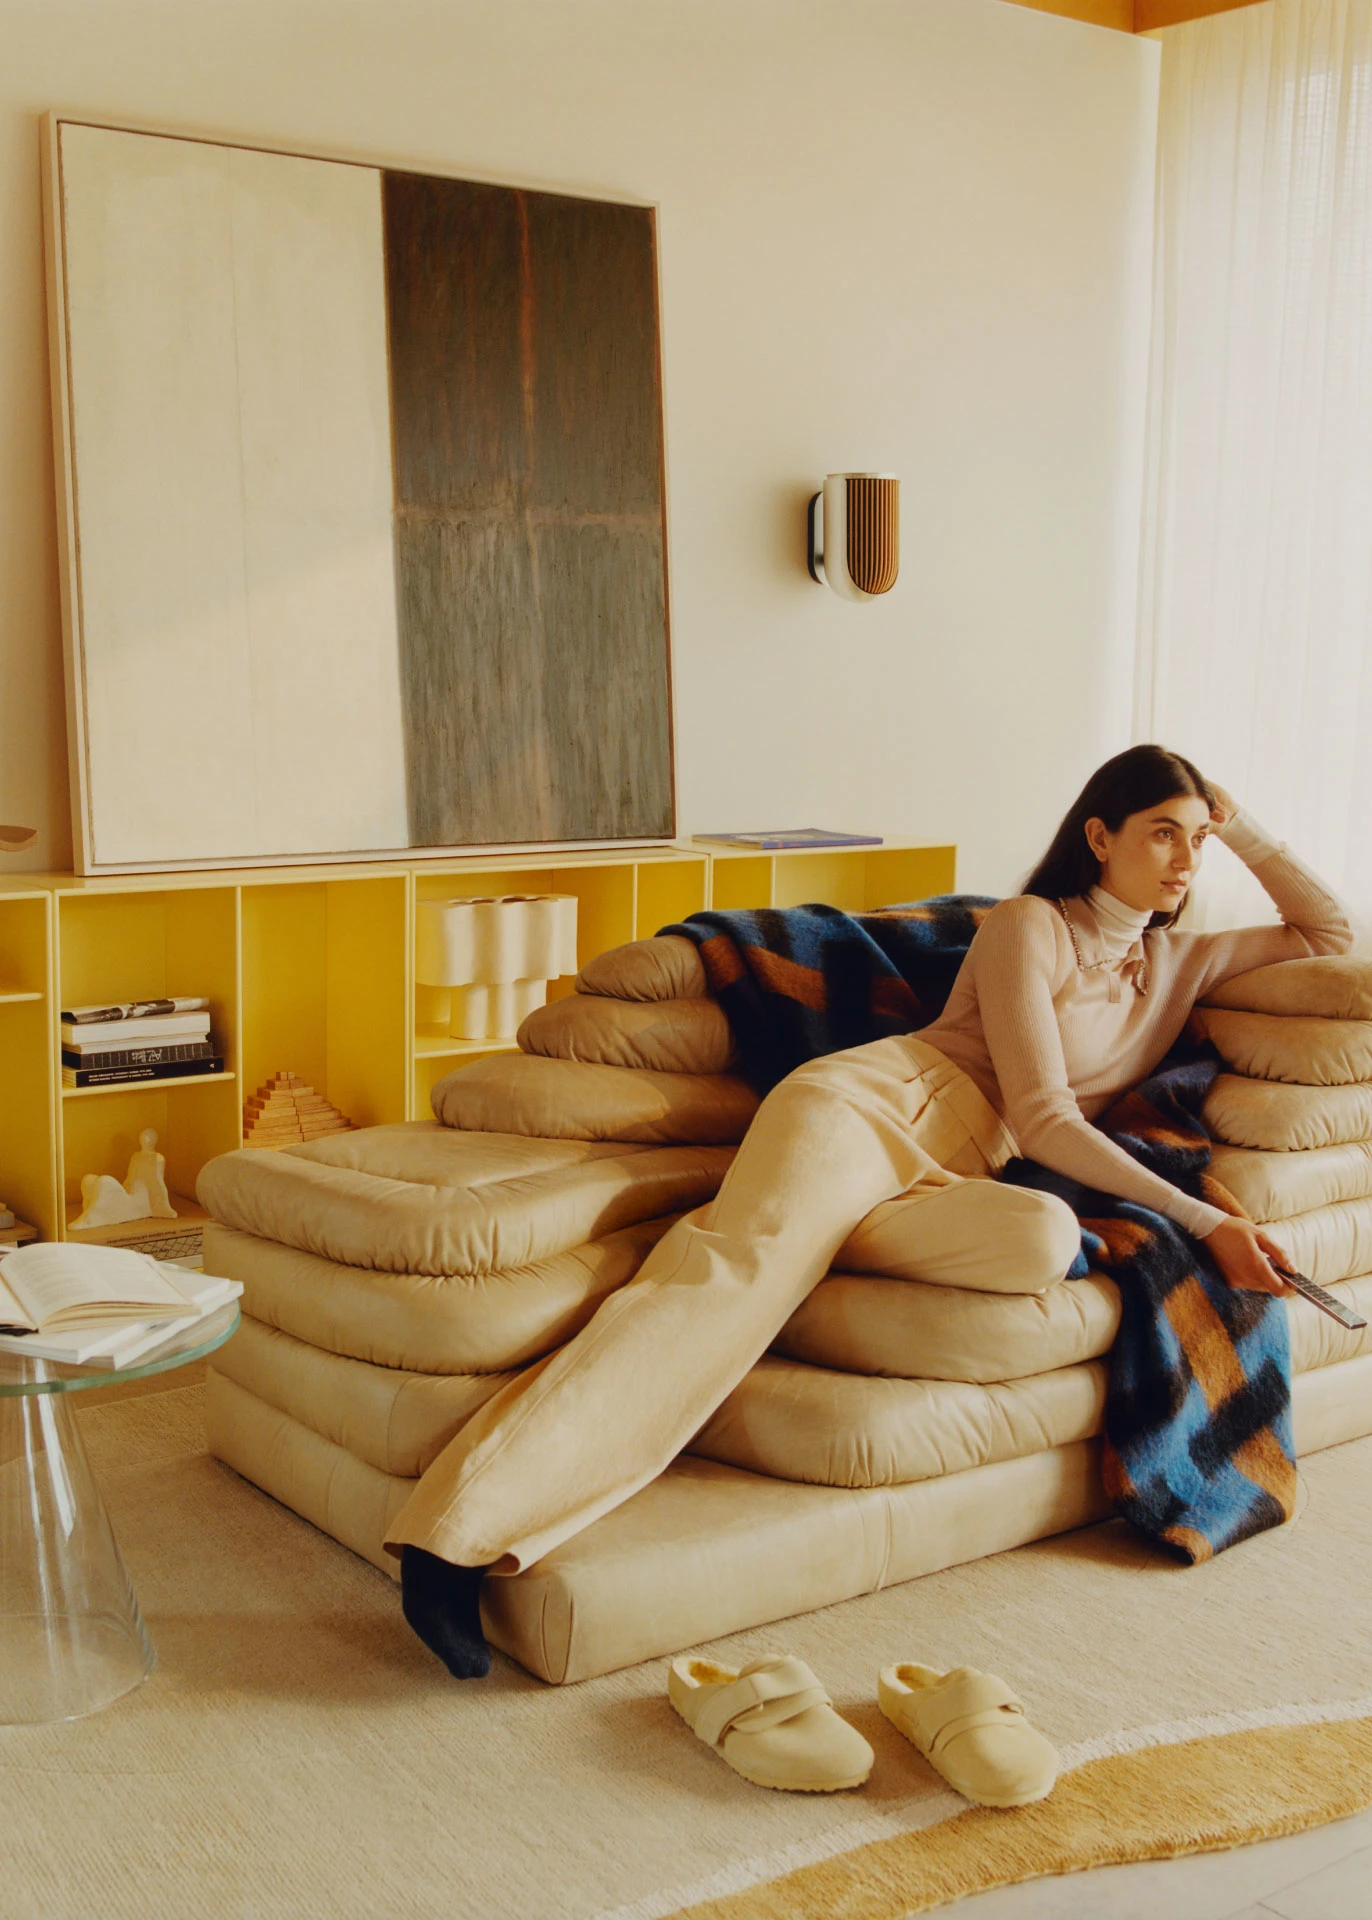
(1198,1447)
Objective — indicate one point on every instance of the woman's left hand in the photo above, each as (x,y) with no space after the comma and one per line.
(1225,807)
(1245,1255)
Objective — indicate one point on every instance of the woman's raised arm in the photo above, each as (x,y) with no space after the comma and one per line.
(1314,918)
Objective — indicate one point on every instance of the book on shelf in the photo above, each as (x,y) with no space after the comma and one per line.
(134,1010)
(118,1076)
(127,1033)
(102,1306)
(141,1053)
(784,837)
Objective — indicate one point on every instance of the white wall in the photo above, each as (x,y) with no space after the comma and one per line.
(898,234)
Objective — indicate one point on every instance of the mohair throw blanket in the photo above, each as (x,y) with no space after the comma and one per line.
(1198,1446)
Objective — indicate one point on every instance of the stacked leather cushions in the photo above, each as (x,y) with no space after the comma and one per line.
(1295,1114)
(880,1379)
(397,1277)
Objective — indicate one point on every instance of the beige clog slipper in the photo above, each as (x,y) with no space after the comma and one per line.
(772,1721)
(972,1728)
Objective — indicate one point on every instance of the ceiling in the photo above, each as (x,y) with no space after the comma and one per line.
(1133,16)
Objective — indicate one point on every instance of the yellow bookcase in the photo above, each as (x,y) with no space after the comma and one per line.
(311,969)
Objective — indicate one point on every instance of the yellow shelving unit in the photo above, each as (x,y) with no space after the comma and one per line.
(27,1092)
(312,970)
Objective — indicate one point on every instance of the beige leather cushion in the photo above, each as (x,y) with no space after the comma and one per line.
(573,1100)
(667,967)
(702,1551)
(1329,1243)
(705,1550)
(1267,1114)
(422,1198)
(1300,1048)
(908,1331)
(899,1329)
(395,1420)
(1332,986)
(666,1036)
(839,1430)
(1269,1186)
(430,1323)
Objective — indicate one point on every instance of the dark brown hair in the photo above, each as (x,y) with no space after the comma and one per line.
(1135,780)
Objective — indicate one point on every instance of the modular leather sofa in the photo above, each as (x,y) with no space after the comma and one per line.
(396,1276)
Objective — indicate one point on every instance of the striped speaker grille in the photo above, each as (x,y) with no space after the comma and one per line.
(873,533)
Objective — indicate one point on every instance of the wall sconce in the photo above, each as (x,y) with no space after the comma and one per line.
(855,534)
(13,839)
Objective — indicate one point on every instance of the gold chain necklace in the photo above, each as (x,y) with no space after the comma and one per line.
(1094,966)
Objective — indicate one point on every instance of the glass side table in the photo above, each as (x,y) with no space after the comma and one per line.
(71,1636)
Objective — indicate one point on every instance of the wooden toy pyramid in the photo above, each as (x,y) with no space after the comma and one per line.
(285,1111)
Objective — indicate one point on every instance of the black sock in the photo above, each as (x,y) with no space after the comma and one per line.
(443,1605)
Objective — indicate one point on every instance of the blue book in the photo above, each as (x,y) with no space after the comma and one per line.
(791,837)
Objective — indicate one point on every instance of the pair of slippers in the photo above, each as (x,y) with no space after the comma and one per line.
(774,1723)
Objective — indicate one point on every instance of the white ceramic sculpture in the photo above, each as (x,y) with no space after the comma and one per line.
(495,955)
(106,1202)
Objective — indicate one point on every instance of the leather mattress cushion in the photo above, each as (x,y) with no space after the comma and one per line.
(667,967)
(1331,986)
(576,1100)
(431,1323)
(899,1329)
(1269,1186)
(906,1330)
(806,1423)
(1282,1119)
(704,1550)
(835,1429)
(397,1421)
(1328,1243)
(1300,1048)
(665,1036)
(422,1198)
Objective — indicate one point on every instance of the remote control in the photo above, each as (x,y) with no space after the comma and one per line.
(1326,1302)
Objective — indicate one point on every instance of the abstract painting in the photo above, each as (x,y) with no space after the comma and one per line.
(362,479)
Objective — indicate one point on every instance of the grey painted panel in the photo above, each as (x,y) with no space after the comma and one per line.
(530,547)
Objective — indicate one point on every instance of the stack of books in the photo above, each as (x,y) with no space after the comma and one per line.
(137,1040)
(101,1306)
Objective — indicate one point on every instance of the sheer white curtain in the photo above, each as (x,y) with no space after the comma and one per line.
(1255,636)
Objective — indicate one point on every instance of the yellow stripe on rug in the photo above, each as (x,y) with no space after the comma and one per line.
(1226,1790)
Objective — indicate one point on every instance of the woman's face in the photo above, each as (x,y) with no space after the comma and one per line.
(1152,860)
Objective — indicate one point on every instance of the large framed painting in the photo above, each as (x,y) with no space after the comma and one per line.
(361,486)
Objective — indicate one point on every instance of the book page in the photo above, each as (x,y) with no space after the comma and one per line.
(54,1282)
(11,1313)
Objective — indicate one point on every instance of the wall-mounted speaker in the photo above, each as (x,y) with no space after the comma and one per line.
(855,534)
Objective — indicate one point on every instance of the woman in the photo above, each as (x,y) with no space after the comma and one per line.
(1069,995)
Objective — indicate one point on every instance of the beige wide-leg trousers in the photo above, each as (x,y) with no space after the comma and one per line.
(578,1433)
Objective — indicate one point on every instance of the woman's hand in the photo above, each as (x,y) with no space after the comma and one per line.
(1243,1254)
(1225,807)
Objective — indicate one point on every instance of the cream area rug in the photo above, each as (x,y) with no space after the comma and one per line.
(298,1753)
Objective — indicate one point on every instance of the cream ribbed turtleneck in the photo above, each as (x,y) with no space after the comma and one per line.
(1051,1043)
(1119,928)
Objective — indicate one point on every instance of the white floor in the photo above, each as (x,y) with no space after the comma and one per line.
(1325,1874)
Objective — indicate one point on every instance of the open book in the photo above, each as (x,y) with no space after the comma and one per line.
(45,1288)
(112,1343)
